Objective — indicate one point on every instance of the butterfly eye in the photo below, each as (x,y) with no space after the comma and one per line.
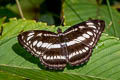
(74,46)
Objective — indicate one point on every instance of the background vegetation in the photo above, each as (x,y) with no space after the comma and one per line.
(17,63)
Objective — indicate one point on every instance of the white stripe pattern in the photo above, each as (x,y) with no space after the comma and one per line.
(53,57)
(86,36)
(90,24)
(90,33)
(39,43)
(50,45)
(30,34)
(54,46)
(39,34)
(93,27)
(29,37)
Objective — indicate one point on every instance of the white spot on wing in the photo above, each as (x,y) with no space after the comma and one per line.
(71,43)
(58,57)
(70,55)
(80,52)
(63,43)
(45,34)
(22,37)
(98,27)
(29,42)
(94,35)
(92,26)
(48,57)
(93,39)
(55,57)
(75,29)
(90,33)
(44,44)
(83,50)
(91,43)
(44,57)
(38,52)
(55,46)
(81,27)
(25,46)
(48,45)
(51,57)
(24,41)
(39,34)
(34,49)
(29,37)
(39,44)
(81,38)
(63,57)
(77,52)
(86,36)
(74,54)
(35,42)
(49,35)
(30,34)
(31,45)
(86,48)
(75,41)
(99,24)
(96,31)
(89,24)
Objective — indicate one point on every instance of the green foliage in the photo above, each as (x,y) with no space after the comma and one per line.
(89,9)
(8,76)
(103,64)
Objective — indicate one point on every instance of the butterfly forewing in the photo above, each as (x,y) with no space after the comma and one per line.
(73,46)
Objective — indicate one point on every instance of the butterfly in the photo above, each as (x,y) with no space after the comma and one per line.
(74,46)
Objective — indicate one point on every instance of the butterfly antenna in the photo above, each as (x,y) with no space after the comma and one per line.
(62,21)
(62,18)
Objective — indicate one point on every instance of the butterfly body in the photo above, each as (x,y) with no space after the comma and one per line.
(73,46)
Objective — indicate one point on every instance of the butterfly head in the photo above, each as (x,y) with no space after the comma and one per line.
(59,30)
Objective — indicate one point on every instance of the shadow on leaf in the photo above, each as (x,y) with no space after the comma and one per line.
(17,48)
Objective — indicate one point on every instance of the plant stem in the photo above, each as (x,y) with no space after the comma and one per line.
(20,10)
(109,9)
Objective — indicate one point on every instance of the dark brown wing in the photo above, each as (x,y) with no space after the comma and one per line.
(81,39)
(45,45)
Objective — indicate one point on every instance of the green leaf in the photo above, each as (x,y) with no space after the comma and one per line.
(103,64)
(76,10)
(37,74)
(8,76)
(2,20)
(14,27)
